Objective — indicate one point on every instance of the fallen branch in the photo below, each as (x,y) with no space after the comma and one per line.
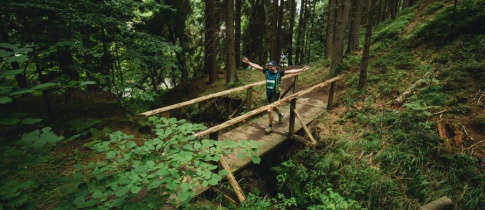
(307,131)
(442,203)
(474,145)
(400,100)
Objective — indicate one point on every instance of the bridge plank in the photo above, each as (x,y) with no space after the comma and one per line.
(254,130)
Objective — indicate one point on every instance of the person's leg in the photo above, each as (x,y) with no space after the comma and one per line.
(277,111)
(270,117)
(270,97)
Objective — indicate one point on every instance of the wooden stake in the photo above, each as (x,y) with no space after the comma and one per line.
(300,139)
(307,131)
(232,181)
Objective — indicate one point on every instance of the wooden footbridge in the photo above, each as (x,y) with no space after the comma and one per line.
(295,108)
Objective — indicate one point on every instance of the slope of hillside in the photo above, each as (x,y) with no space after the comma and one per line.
(431,146)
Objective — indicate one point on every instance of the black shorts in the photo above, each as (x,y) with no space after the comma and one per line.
(272,97)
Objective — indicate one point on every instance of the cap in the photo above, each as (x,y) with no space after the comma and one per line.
(272,63)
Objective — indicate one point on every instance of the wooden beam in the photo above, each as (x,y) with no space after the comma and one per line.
(291,128)
(226,192)
(203,98)
(443,203)
(307,131)
(249,99)
(300,139)
(232,181)
(264,108)
(330,96)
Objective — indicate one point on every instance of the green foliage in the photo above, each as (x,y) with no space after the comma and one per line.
(479,121)
(18,156)
(165,169)
(15,193)
(254,202)
(310,186)
(433,7)
(449,25)
(392,29)
(395,60)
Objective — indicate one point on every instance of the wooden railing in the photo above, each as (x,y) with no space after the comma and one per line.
(249,89)
(213,131)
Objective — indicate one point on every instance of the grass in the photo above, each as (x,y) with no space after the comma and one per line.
(394,159)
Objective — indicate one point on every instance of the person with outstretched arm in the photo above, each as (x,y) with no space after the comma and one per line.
(273,81)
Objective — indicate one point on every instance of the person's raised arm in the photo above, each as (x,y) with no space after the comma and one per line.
(256,66)
(294,71)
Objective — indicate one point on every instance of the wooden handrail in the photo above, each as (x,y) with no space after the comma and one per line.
(203,98)
(264,108)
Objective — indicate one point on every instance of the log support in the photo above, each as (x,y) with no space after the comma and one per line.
(307,131)
(233,181)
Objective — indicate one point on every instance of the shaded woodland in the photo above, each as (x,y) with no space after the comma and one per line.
(75,74)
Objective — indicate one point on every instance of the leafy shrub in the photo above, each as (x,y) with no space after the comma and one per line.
(164,170)
(18,192)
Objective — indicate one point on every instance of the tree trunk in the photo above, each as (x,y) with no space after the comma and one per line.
(304,41)
(405,4)
(290,36)
(332,12)
(210,40)
(274,30)
(4,37)
(45,94)
(393,8)
(88,58)
(341,24)
(66,63)
(280,28)
(230,52)
(310,37)
(367,41)
(106,61)
(355,21)
(299,36)
(237,31)
(254,47)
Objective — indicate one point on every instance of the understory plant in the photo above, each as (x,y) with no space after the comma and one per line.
(165,170)
(385,160)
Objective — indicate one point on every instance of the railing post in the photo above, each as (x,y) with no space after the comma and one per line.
(330,96)
(214,136)
(291,129)
(249,99)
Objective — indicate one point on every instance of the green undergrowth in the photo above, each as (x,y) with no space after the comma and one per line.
(395,159)
(386,159)
(119,172)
